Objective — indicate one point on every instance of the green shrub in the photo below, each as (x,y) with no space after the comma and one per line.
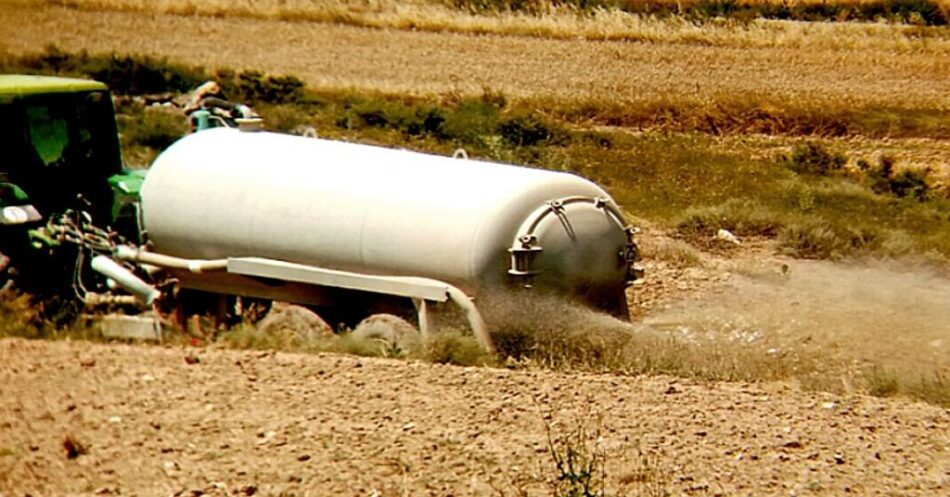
(579,460)
(912,183)
(254,86)
(471,121)
(812,158)
(526,131)
(429,122)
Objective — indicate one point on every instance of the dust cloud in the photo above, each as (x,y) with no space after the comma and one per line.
(885,314)
(819,316)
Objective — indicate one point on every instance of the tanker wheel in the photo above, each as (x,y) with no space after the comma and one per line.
(394,333)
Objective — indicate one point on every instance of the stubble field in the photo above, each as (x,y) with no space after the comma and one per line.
(778,63)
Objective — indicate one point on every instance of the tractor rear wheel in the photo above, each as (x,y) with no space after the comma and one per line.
(7,274)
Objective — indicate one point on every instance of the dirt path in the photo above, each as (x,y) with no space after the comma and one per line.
(240,423)
(425,62)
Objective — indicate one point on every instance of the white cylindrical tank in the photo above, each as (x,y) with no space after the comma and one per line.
(229,193)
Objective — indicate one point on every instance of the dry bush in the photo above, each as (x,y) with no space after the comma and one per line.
(454,347)
(18,316)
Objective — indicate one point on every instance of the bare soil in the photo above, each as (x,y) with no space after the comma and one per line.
(144,420)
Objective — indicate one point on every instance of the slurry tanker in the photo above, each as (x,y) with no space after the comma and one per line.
(233,211)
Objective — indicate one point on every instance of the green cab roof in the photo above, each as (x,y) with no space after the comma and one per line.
(19,84)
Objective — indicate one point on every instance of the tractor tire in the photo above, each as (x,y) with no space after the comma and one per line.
(7,276)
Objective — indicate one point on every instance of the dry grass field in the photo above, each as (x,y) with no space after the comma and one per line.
(607,20)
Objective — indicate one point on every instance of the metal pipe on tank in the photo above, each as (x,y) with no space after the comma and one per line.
(133,254)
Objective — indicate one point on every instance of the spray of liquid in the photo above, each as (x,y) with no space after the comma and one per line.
(887,314)
(819,316)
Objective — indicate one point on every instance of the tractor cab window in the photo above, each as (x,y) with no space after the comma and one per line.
(62,146)
(48,132)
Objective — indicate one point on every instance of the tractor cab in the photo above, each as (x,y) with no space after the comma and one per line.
(58,148)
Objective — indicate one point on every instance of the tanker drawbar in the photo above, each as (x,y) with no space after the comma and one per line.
(298,206)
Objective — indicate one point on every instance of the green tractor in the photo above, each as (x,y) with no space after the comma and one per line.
(61,175)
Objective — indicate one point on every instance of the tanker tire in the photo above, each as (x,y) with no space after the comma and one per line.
(291,323)
(393,332)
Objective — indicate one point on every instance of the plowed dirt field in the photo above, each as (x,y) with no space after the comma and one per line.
(178,421)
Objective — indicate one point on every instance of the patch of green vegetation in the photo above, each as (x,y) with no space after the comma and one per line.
(815,214)
(884,178)
(148,128)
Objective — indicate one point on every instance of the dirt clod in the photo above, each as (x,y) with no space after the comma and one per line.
(73,447)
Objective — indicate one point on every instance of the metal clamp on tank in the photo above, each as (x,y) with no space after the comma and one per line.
(523,252)
(631,255)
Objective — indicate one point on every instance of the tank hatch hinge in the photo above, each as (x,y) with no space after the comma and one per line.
(630,255)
